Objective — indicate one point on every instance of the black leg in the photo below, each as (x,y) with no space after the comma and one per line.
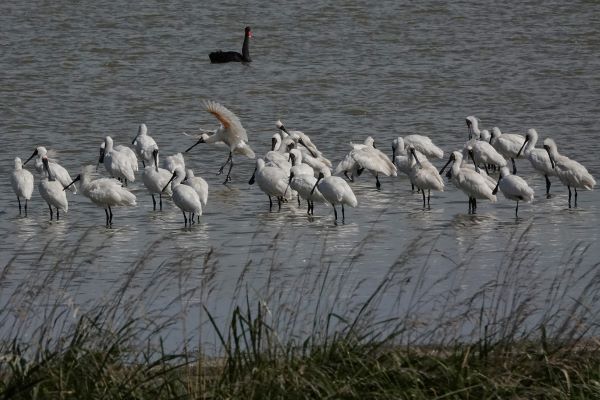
(514,166)
(575,197)
(298,200)
(412,186)
(228,177)
(143,164)
(517,210)
(270,203)
(423,192)
(19,200)
(184,218)
(334,211)
(547,186)
(569,187)
(106,212)
(25,207)
(111,215)
(486,169)
(224,165)
(377,184)
(57,214)
(474,205)
(278,203)
(428,196)
(198,218)
(160,199)
(470,204)
(50,207)
(308,209)
(153,202)
(343,216)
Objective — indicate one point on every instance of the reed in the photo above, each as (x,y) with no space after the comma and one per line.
(416,333)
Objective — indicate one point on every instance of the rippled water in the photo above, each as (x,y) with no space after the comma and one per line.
(75,72)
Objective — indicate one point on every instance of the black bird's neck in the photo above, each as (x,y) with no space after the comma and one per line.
(246,48)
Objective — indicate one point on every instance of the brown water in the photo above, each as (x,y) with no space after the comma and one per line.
(75,72)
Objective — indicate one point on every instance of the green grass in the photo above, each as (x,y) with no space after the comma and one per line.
(511,338)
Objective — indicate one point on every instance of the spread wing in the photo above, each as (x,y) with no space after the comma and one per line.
(227,118)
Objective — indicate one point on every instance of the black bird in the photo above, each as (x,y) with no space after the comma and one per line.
(229,56)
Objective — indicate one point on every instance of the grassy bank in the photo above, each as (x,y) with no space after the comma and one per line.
(513,336)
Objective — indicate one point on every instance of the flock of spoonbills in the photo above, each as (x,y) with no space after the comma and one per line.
(296,167)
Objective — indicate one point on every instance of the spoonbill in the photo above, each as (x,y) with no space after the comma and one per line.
(469,181)
(507,144)
(273,181)
(423,144)
(199,185)
(306,144)
(120,163)
(366,156)
(52,191)
(230,131)
(513,187)
(59,173)
(570,172)
(539,158)
(22,183)
(144,144)
(184,196)
(303,184)
(104,192)
(155,179)
(335,190)
(401,158)
(424,175)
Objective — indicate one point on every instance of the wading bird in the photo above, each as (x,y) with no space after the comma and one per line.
(335,190)
(184,197)
(52,191)
(231,132)
(22,183)
(539,158)
(58,172)
(144,145)
(514,188)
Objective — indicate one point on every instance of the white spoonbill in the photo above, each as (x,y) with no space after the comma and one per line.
(155,179)
(278,155)
(144,144)
(184,196)
(570,172)
(424,145)
(273,181)
(335,190)
(172,162)
(303,184)
(507,144)
(199,185)
(483,153)
(118,163)
(104,192)
(22,183)
(539,158)
(59,173)
(424,175)
(513,187)
(52,191)
(366,156)
(231,132)
(306,144)
(401,159)
(469,181)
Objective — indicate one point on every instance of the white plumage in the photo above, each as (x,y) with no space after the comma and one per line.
(184,196)
(104,192)
(424,145)
(172,162)
(144,144)
(335,190)
(120,163)
(303,185)
(469,181)
(21,181)
(570,172)
(539,158)
(58,172)
(273,181)
(230,131)
(366,156)
(52,191)
(198,184)
(514,188)
(155,179)
(305,143)
(424,175)
(507,144)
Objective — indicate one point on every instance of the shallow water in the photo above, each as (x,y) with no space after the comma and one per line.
(73,73)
